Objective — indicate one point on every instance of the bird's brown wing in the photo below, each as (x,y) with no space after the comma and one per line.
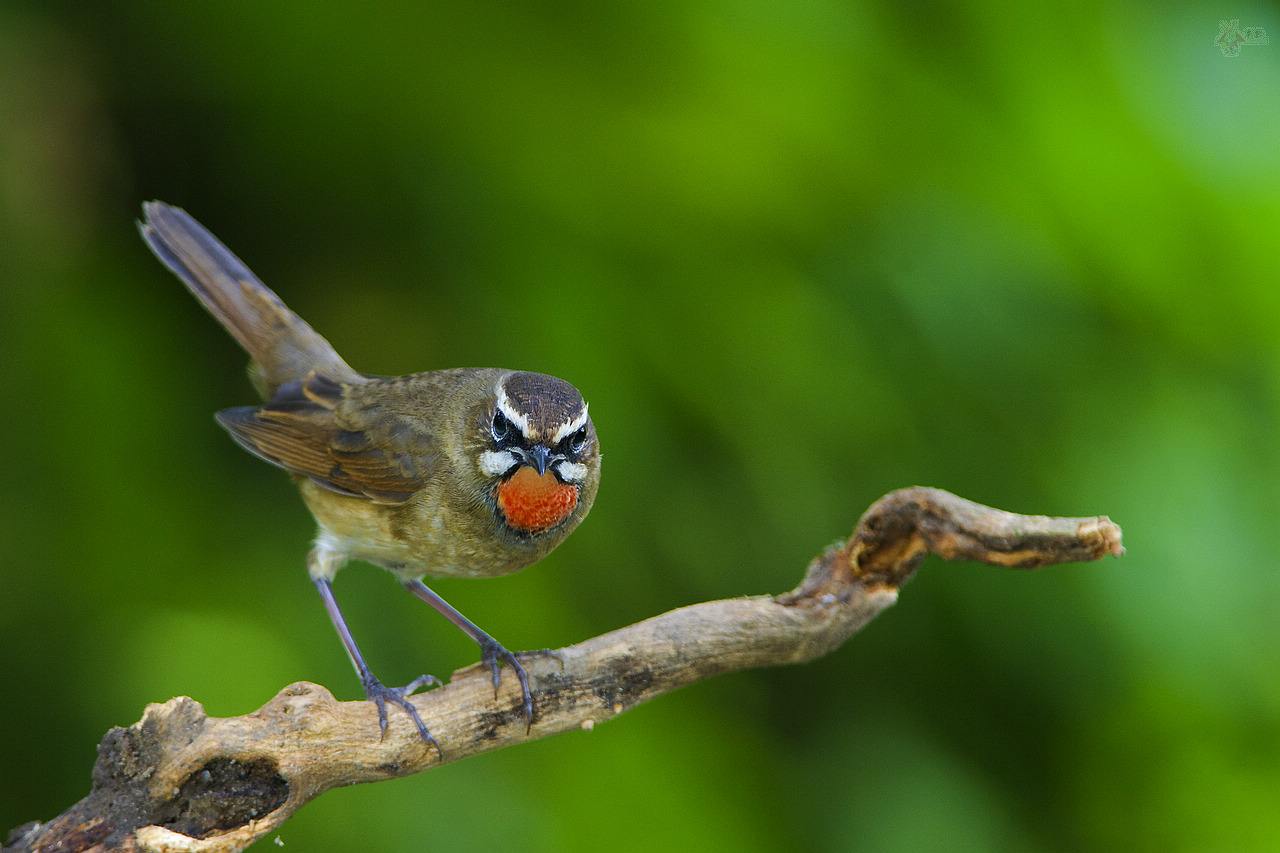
(310,428)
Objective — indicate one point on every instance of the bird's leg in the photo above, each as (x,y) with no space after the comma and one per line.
(377,692)
(492,653)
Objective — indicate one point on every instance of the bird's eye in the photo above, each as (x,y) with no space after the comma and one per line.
(578,440)
(500,427)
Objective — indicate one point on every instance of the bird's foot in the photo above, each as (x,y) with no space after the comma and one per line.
(380,695)
(492,654)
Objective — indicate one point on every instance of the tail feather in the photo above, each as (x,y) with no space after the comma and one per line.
(280,342)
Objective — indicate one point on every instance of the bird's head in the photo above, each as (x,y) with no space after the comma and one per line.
(539,451)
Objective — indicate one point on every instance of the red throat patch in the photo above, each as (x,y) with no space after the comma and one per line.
(533,503)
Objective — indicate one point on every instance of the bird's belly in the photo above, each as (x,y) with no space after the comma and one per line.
(414,539)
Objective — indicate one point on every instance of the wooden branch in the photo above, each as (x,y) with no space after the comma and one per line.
(180,780)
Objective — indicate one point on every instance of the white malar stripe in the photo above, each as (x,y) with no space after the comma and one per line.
(496,462)
(572,472)
(504,405)
(571,427)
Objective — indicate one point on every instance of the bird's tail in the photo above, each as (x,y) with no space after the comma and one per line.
(283,347)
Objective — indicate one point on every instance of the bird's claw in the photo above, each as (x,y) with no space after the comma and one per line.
(492,654)
(380,695)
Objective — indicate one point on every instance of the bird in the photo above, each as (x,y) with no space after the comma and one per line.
(465,472)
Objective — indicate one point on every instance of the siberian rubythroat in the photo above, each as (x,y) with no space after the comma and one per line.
(471,472)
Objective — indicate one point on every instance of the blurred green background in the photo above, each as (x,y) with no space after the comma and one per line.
(796,256)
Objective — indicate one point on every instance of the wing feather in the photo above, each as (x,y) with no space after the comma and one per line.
(310,429)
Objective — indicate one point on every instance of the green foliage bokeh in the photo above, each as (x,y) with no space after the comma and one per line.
(795,255)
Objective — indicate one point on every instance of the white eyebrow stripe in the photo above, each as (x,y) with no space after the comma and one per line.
(509,412)
(571,427)
(573,472)
(495,462)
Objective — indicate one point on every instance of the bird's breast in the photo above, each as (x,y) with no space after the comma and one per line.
(436,533)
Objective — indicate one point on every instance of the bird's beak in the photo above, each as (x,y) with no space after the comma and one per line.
(538,457)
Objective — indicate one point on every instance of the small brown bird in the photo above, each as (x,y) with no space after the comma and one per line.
(473,472)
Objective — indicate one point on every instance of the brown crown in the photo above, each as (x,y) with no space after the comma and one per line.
(548,402)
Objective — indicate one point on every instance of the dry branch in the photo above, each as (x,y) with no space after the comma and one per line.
(180,780)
